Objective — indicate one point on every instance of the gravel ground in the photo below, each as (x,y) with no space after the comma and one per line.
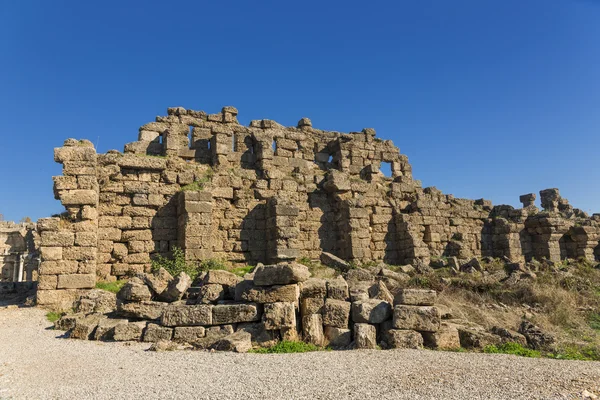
(35,363)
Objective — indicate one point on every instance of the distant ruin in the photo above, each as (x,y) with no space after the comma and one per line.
(19,258)
(268,193)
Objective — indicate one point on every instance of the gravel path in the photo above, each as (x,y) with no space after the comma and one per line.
(35,364)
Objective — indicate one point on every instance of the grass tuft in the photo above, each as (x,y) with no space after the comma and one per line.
(53,316)
(287,347)
(241,271)
(512,348)
(112,287)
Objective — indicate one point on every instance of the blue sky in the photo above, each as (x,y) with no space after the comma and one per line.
(488,99)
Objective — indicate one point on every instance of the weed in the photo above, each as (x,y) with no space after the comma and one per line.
(112,287)
(198,184)
(212,264)
(575,352)
(241,271)
(53,316)
(287,347)
(176,265)
(511,348)
(594,320)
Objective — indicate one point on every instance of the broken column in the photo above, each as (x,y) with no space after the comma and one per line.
(282,230)
(195,224)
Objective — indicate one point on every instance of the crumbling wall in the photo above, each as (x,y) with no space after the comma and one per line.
(267,193)
(18,252)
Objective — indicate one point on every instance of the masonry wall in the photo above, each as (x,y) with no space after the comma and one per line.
(267,193)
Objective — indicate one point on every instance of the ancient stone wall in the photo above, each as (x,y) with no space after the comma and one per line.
(268,193)
(18,252)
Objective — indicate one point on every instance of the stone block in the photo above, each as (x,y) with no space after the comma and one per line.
(337,288)
(78,197)
(134,290)
(416,297)
(239,342)
(177,287)
(221,277)
(380,291)
(336,313)
(311,305)
(338,337)
(313,288)
(85,327)
(371,311)
(155,332)
(279,315)
(334,262)
(106,329)
(446,337)
(51,253)
(76,281)
(365,336)
(312,329)
(233,313)
(129,331)
(210,293)
(185,315)
(267,294)
(418,318)
(188,334)
(280,274)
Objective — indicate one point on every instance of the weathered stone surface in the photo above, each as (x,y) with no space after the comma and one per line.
(418,318)
(380,291)
(280,274)
(337,288)
(155,333)
(177,287)
(536,337)
(239,342)
(260,336)
(365,336)
(188,333)
(338,337)
(143,310)
(96,301)
(134,290)
(336,313)
(311,305)
(184,315)
(76,281)
(446,337)
(334,262)
(416,297)
(210,293)
(402,339)
(313,288)
(67,321)
(158,280)
(106,329)
(476,339)
(84,327)
(279,315)
(233,313)
(371,311)
(221,277)
(264,294)
(129,331)
(359,274)
(312,329)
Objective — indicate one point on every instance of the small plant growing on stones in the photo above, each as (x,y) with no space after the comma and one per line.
(53,316)
(176,265)
(288,347)
(512,348)
(112,287)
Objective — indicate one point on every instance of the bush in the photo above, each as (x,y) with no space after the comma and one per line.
(241,271)
(176,265)
(288,347)
(212,264)
(575,352)
(511,348)
(112,287)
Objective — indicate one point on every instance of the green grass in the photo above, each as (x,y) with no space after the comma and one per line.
(176,265)
(511,348)
(594,320)
(241,271)
(198,185)
(53,316)
(574,352)
(112,287)
(287,347)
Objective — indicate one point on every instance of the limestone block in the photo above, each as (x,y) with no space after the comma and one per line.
(221,277)
(418,318)
(416,297)
(177,287)
(267,294)
(106,329)
(150,310)
(74,153)
(312,329)
(239,342)
(47,282)
(78,197)
(185,315)
(76,281)
(380,291)
(155,332)
(51,253)
(338,337)
(402,339)
(57,239)
(279,315)
(280,274)
(365,336)
(337,288)
(336,313)
(334,262)
(158,280)
(311,305)
(314,288)
(210,293)
(372,311)
(188,333)
(129,331)
(59,299)
(471,338)
(134,290)
(84,327)
(58,267)
(446,337)
(234,313)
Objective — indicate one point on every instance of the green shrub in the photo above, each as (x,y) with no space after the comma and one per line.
(113,287)
(198,185)
(212,264)
(575,352)
(53,316)
(241,271)
(595,321)
(288,347)
(176,265)
(511,348)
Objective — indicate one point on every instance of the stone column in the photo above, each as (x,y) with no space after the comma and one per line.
(355,237)
(194,229)
(69,243)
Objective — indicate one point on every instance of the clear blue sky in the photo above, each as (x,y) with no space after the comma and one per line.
(488,99)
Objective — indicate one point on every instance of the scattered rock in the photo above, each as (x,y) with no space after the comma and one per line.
(280,274)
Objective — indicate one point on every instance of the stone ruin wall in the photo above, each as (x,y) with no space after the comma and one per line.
(267,193)
(18,253)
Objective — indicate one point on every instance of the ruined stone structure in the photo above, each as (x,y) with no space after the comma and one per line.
(19,257)
(268,193)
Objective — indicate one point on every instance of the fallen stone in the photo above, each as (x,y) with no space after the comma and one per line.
(380,291)
(155,333)
(163,345)
(177,288)
(264,294)
(476,339)
(337,288)
(239,342)
(280,274)
(335,262)
(338,337)
(158,281)
(221,277)
(402,339)
(417,318)
(260,336)
(129,331)
(210,293)
(279,315)
(365,336)
(313,288)
(508,335)
(143,310)
(188,333)
(135,290)
(68,321)
(358,274)
(446,338)
(96,301)
(336,313)
(371,311)
(185,315)
(85,327)
(400,277)
(416,297)
(233,313)
(105,330)
(312,329)
(536,338)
